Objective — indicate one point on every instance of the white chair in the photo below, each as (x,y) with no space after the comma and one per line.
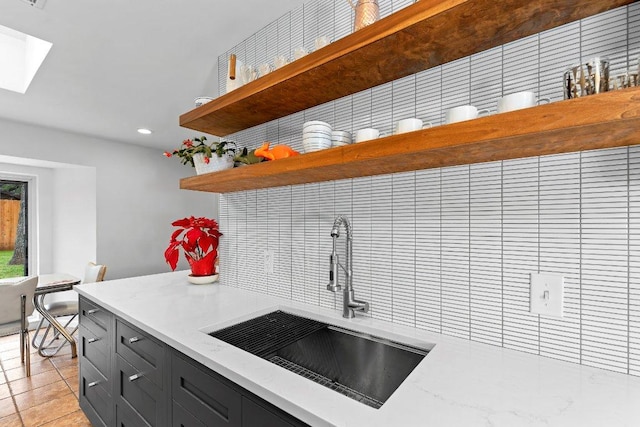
(16,304)
(92,273)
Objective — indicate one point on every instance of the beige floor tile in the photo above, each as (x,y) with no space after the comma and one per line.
(14,353)
(74,386)
(69,372)
(16,363)
(6,407)
(4,391)
(75,419)
(60,361)
(34,381)
(38,366)
(11,421)
(50,411)
(41,395)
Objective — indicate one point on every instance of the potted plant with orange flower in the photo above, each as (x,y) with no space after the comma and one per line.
(198,238)
(200,154)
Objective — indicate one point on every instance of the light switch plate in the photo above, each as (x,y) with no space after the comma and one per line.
(268,256)
(547,294)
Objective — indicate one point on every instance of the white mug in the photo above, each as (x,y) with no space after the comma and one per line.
(280,61)
(463,113)
(248,73)
(321,42)
(299,52)
(410,125)
(264,69)
(367,134)
(518,101)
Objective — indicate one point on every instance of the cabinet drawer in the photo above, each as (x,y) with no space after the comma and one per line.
(141,394)
(93,316)
(95,349)
(181,418)
(126,417)
(141,351)
(95,394)
(203,396)
(255,415)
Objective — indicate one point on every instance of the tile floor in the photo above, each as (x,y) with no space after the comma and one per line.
(48,398)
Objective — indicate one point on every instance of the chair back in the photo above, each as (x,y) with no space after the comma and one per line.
(10,306)
(94,273)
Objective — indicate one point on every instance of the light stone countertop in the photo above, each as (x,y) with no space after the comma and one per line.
(459,383)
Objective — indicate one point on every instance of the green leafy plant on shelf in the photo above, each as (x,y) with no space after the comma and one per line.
(190,148)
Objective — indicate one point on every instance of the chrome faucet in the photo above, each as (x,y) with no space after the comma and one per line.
(350,304)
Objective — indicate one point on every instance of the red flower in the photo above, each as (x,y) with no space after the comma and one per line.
(187,143)
(207,160)
(198,238)
(167,154)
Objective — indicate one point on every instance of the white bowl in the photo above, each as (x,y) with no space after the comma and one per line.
(316,129)
(315,145)
(313,140)
(341,139)
(339,144)
(315,122)
(316,135)
(341,134)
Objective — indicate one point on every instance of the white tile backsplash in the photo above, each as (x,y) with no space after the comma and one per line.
(450,250)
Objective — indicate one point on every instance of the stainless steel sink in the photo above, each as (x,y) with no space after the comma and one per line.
(366,368)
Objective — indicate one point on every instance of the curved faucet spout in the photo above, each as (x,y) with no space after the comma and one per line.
(350,304)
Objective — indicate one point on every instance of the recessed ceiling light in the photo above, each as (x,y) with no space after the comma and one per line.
(144,131)
(21,56)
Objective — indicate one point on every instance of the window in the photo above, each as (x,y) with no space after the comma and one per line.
(14,230)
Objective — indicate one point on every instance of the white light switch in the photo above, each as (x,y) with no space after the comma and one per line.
(547,294)
(268,256)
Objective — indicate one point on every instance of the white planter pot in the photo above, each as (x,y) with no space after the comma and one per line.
(215,163)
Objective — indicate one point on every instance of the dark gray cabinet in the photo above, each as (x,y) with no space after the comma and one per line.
(128,378)
(95,373)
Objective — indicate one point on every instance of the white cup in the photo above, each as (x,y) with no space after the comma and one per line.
(518,101)
(264,69)
(201,100)
(321,42)
(280,61)
(410,125)
(248,73)
(463,113)
(367,134)
(299,52)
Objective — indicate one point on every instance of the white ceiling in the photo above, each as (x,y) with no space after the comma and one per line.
(118,65)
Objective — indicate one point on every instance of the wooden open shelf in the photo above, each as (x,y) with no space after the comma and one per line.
(606,120)
(423,35)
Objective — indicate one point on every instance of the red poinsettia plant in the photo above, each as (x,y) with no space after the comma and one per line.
(198,238)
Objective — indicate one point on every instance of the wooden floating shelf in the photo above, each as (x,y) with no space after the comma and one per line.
(425,34)
(606,120)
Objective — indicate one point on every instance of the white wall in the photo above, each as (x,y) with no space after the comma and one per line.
(137,196)
(74,214)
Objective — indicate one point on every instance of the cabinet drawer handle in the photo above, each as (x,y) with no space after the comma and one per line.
(133,339)
(135,377)
(93,311)
(92,384)
(91,340)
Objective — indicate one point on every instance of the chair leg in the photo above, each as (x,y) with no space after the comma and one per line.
(35,336)
(25,353)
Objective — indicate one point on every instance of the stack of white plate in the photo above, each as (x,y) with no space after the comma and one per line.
(316,135)
(340,138)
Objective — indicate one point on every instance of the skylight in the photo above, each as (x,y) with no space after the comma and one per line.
(21,56)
